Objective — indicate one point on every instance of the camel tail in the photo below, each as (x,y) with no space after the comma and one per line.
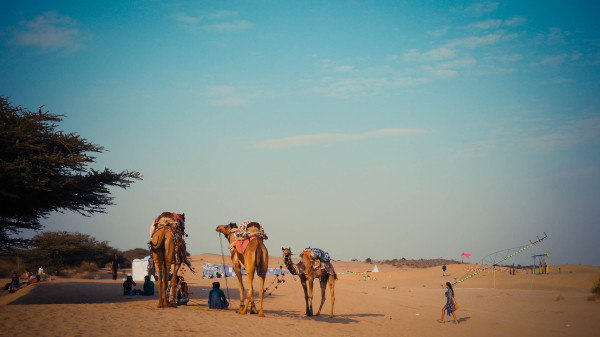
(158,241)
(260,258)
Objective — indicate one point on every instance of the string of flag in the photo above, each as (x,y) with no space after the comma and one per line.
(522,249)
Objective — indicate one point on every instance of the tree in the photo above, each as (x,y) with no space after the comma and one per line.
(57,250)
(44,170)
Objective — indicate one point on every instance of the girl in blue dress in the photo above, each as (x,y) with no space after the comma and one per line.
(450,306)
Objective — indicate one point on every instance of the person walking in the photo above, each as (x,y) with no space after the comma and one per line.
(114,267)
(450,306)
(444,269)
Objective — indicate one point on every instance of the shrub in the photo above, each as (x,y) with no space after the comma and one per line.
(88,266)
(596,288)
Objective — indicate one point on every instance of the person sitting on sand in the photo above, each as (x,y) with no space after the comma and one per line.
(14,283)
(148,288)
(27,275)
(216,298)
(450,306)
(37,279)
(182,291)
(128,285)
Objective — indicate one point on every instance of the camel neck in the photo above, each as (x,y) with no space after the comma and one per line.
(290,265)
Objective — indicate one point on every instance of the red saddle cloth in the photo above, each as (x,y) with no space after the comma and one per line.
(241,245)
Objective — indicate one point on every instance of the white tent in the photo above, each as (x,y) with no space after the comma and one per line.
(375,269)
(139,268)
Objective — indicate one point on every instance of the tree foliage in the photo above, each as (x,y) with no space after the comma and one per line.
(57,250)
(43,170)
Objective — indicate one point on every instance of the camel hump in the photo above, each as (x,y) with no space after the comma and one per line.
(253,227)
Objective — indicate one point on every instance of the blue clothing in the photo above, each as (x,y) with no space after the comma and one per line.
(148,288)
(450,307)
(217,300)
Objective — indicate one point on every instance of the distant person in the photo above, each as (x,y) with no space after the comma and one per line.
(444,270)
(182,291)
(450,306)
(128,285)
(151,268)
(114,267)
(14,282)
(216,298)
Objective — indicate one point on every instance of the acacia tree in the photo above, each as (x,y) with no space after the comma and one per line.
(44,170)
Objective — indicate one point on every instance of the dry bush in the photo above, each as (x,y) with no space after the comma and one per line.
(87,267)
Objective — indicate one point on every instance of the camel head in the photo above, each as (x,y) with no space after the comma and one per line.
(287,252)
(226,229)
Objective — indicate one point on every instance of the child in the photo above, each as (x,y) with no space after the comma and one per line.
(216,298)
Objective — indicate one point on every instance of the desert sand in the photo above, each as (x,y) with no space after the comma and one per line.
(401,302)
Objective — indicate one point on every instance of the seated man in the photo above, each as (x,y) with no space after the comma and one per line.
(216,298)
(128,286)
(148,288)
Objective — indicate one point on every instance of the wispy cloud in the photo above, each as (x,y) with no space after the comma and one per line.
(488,24)
(218,21)
(568,133)
(472,42)
(480,9)
(515,21)
(331,138)
(364,86)
(48,32)
(555,60)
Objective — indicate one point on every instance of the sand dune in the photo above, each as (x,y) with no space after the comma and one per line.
(402,302)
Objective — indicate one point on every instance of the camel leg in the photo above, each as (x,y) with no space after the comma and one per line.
(323,284)
(173,297)
(331,289)
(249,297)
(169,297)
(311,280)
(262,295)
(158,260)
(238,273)
(304,286)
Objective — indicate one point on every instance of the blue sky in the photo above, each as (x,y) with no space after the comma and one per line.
(368,129)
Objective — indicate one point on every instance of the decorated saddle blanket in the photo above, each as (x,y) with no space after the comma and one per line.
(249,229)
(176,226)
(316,254)
(320,259)
(247,232)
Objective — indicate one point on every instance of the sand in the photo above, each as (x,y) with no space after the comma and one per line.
(404,302)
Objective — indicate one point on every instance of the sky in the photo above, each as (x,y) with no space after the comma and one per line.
(369,129)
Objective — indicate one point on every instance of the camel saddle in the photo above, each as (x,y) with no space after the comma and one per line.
(247,232)
(320,259)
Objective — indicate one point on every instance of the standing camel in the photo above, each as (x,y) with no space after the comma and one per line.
(306,271)
(167,247)
(255,257)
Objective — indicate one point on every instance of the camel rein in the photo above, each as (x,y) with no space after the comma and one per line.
(224,267)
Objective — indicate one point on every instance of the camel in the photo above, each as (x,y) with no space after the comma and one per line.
(255,257)
(305,270)
(164,250)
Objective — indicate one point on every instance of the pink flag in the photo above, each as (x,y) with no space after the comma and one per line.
(467,255)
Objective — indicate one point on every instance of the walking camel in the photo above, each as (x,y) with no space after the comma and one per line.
(254,257)
(305,270)
(167,247)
